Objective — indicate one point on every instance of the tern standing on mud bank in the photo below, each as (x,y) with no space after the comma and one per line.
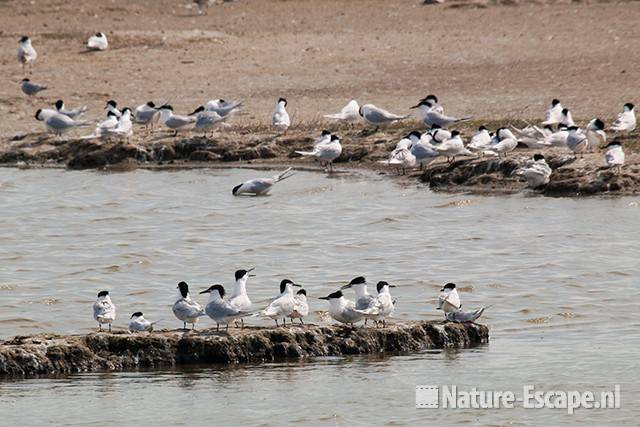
(104,311)
(27,55)
(325,152)
(343,310)
(185,309)
(283,306)
(449,300)
(219,309)
(280,119)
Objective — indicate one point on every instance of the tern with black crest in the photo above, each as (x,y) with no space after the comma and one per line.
(342,309)
(221,310)
(185,309)
(138,323)
(260,186)
(283,306)
(104,310)
(449,300)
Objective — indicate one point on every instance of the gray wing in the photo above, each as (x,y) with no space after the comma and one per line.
(60,121)
(465,316)
(257,186)
(185,309)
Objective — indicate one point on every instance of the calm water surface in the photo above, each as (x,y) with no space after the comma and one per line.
(562,275)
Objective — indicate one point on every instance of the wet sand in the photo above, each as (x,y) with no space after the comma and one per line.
(494,61)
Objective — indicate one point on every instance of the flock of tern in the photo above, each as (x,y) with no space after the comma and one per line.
(417,148)
(224,309)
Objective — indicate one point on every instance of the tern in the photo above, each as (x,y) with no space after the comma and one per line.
(173,121)
(207,120)
(595,133)
(481,140)
(185,309)
(98,41)
(73,113)
(453,147)
(378,116)
(280,119)
(553,115)
(239,297)
(614,156)
(365,303)
(324,138)
(536,172)
(343,310)
(59,123)
(139,324)
(533,136)
(146,114)
(432,114)
(124,127)
(423,150)
(260,186)
(566,118)
(449,300)
(350,113)
(384,302)
(626,121)
(438,135)
(219,309)
(104,311)
(300,306)
(223,108)
(112,106)
(460,316)
(31,88)
(27,55)
(326,153)
(283,306)
(507,142)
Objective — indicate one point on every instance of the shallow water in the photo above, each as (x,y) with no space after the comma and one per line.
(562,275)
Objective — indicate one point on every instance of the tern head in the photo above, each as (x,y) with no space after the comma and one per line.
(455,133)
(598,124)
(562,126)
(548,127)
(241,273)
(572,128)
(197,110)
(125,109)
(24,39)
(335,138)
(565,111)
(416,134)
(25,80)
(431,97)
(59,104)
(356,281)
(282,100)
(285,282)
(334,295)
(302,292)
(103,294)
(184,289)
(538,156)
(166,107)
(448,287)
(235,189)
(100,35)
(215,288)
(423,103)
(151,104)
(326,132)
(483,127)
(136,314)
(555,102)
(111,114)
(629,106)
(38,114)
(614,143)
(381,284)
(111,103)
(360,111)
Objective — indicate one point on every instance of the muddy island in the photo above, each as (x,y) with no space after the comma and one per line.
(47,354)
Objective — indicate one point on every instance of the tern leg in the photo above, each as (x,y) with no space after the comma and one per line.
(217,327)
(301,322)
(184,326)
(109,327)
(365,321)
(99,326)
(193,326)
(284,321)
(241,323)
(276,322)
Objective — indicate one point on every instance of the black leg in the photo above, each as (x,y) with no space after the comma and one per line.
(276,322)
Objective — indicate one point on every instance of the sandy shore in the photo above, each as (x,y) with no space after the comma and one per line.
(494,61)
